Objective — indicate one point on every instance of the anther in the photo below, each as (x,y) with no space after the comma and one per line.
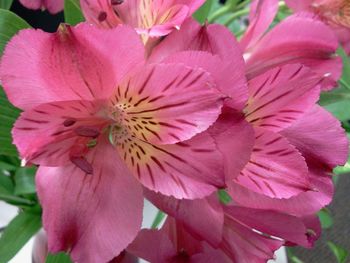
(87,131)
(82,163)
(102,16)
(69,122)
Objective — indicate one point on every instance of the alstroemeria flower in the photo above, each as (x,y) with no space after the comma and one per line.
(97,122)
(229,233)
(300,38)
(53,6)
(336,13)
(150,18)
(292,157)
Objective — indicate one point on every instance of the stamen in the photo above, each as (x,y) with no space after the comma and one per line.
(87,131)
(83,164)
(102,16)
(92,143)
(117,2)
(69,122)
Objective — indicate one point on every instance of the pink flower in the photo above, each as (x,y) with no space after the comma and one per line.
(53,6)
(228,233)
(300,38)
(97,122)
(334,12)
(150,18)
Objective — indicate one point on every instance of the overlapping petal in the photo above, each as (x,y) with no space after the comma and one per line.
(165,104)
(86,214)
(74,63)
(280,96)
(53,6)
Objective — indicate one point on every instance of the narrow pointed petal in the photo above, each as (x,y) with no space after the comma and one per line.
(165,104)
(280,96)
(245,245)
(46,134)
(153,246)
(275,169)
(90,215)
(262,13)
(190,213)
(312,133)
(309,42)
(190,169)
(271,223)
(234,137)
(220,54)
(32,4)
(74,63)
(303,204)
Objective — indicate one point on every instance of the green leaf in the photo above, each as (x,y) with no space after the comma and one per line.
(72,12)
(340,109)
(8,115)
(340,253)
(5,4)
(58,258)
(202,13)
(158,219)
(6,185)
(10,24)
(17,234)
(224,197)
(25,182)
(346,68)
(325,218)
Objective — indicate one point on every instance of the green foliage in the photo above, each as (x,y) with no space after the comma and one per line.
(17,234)
(202,13)
(58,258)
(158,219)
(5,4)
(24,181)
(326,218)
(10,24)
(340,253)
(224,197)
(72,12)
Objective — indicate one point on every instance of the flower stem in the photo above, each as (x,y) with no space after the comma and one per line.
(235,15)
(158,219)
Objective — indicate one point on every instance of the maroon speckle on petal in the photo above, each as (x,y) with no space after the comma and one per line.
(102,16)
(117,2)
(87,131)
(69,122)
(83,164)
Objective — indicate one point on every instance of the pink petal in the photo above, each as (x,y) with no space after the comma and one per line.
(280,96)
(74,63)
(46,134)
(90,215)
(275,169)
(224,55)
(234,137)
(190,213)
(53,6)
(305,203)
(32,4)
(190,169)
(165,104)
(210,255)
(244,245)
(309,42)
(261,15)
(299,5)
(312,135)
(271,223)
(153,246)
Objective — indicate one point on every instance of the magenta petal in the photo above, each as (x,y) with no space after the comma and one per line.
(54,6)
(220,54)
(280,96)
(90,215)
(153,246)
(276,168)
(303,204)
(234,137)
(190,169)
(312,135)
(190,213)
(74,63)
(262,13)
(46,134)
(271,223)
(309,42)
(168,103)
